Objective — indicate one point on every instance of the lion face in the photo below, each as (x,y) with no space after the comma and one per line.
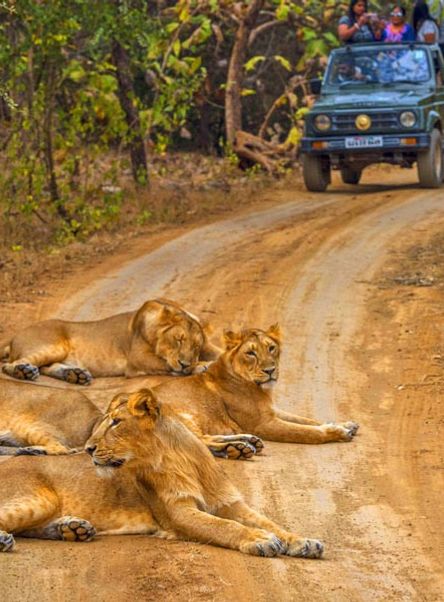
(254,354)
(176,336)
(180,344)
(125,431)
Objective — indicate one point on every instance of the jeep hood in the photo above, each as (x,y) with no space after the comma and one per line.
(369,99)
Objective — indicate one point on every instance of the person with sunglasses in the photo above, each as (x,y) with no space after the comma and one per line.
(397,30)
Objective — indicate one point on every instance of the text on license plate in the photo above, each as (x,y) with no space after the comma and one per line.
(363,141)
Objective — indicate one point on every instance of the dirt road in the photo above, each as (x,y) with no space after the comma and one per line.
(358,345)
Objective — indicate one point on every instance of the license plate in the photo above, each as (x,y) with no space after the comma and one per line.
(363,142)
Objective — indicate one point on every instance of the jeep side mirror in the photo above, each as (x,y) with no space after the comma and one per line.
(315,85)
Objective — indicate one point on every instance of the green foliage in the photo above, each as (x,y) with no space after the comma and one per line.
(64,133)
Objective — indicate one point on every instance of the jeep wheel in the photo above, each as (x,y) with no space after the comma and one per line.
(430,163)
(350,176)
(316,172)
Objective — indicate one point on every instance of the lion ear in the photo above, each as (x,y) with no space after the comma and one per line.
(117,401)
(168,315)
(274,332)
(143,403)
(231,339)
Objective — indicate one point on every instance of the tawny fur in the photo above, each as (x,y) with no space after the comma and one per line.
(167,480)
(159,338)
(232,396)
(38,419)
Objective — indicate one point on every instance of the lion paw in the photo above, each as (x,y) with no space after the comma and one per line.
(337,432)
(76,529)
(31,451)
(201,367)
(351,426)
(77,376)
(234,450)
(257,443)
(22,371)
(7,542)
(306,548)
(266,544)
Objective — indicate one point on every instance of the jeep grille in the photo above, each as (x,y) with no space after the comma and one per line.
(380,121)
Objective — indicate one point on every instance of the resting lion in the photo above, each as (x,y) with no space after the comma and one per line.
(159,338)
(43,420)
(169,481)
(49,421)
(233,397)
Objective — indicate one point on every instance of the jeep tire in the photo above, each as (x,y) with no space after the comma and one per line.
(316,172)
(430,163)
(350,176)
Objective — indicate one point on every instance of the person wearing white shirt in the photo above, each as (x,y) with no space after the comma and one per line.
(424,25)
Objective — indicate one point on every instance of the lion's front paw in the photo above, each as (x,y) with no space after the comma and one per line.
(305,548)
(201,367)
(351,426)
(75,529)
(337,432)
(22,371)
(257,443)
(33,450)
(7,542)
(234,450)
(77,376)
(264,544)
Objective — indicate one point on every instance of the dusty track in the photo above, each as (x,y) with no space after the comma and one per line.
(310,263)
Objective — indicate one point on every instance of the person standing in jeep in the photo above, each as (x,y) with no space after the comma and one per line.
(436,9)
(358,25)
(425,27)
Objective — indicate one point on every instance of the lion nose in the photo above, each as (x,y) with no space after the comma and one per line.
(184,365)
(269,371)
(90,449)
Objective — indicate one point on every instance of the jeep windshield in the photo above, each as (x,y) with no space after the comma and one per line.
(384,65)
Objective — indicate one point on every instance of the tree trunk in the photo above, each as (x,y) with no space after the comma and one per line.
(127,101)
(233,102)
(48,145)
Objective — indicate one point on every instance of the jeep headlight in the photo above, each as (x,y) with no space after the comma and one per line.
(407,119)
(322,122)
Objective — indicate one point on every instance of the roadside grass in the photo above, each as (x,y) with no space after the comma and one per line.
(186,188)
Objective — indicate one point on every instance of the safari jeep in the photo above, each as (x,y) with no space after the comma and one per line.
(378,103)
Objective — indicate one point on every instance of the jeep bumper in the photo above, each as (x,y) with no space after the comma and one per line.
(365,144)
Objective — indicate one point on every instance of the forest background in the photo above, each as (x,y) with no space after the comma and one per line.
(122,111)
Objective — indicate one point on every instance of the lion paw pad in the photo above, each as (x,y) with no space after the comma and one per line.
(25,372)
(306,548)
(240,450)
(31,451)
(257,443)
(77,376)
(76,529)
(7,542)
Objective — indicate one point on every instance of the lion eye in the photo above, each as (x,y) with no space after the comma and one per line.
(115,421)
(251,353)
(272,348)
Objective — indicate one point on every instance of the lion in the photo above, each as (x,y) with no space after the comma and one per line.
(233,396)
(43,420)
(161,481)
(158,338)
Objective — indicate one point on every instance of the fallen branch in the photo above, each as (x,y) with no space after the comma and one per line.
(267,154)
